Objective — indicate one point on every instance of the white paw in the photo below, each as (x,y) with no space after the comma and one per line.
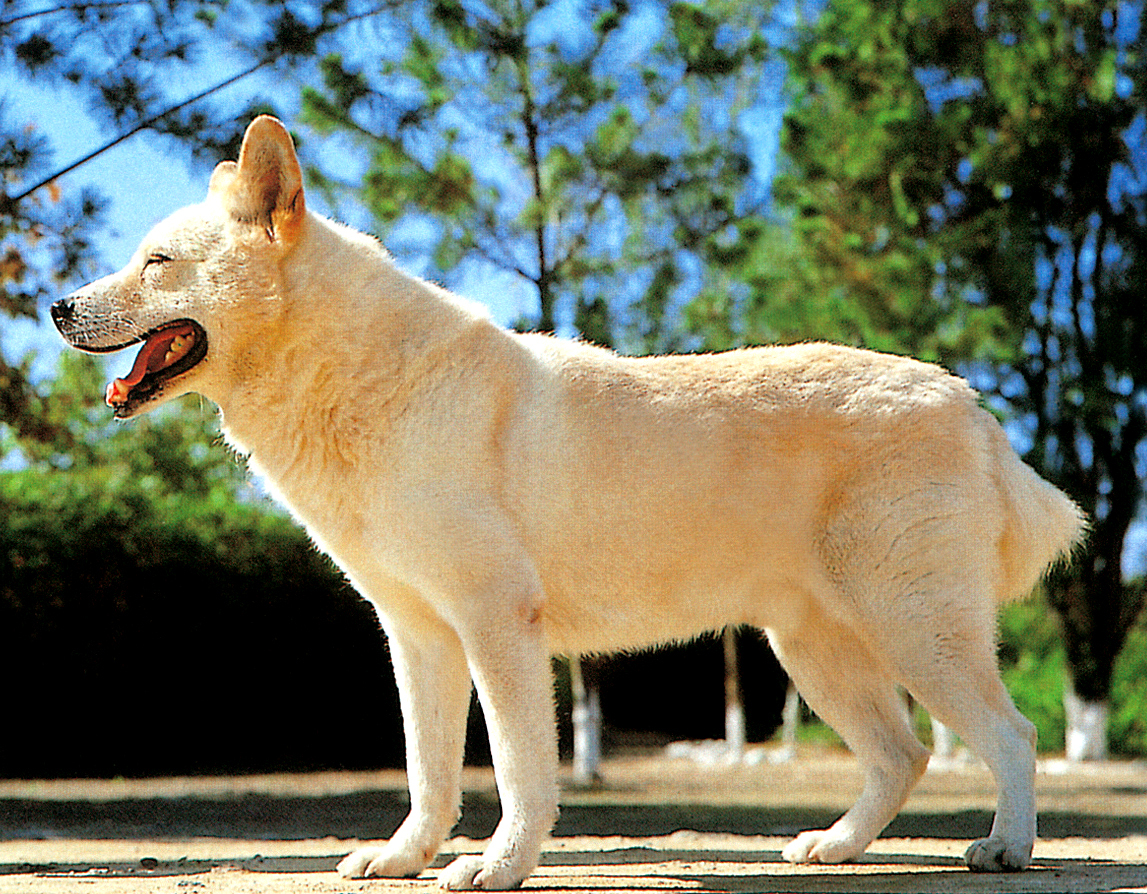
(472,873)
(382,862)
(822,846)
(998,855)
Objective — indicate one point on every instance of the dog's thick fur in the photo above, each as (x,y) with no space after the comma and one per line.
(502,497)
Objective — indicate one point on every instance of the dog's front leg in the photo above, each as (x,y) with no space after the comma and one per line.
(434,693)
(509,662)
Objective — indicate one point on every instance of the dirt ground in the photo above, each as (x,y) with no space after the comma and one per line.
(655,824)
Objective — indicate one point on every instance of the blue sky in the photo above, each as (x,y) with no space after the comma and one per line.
(147,177)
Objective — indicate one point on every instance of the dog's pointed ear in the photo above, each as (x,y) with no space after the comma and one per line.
(265,188)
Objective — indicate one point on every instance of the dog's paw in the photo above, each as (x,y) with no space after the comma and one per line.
(382,862)
(821,846)
(471,873)
(997,855)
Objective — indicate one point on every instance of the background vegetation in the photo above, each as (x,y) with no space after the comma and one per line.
(1035,666)
(960,180)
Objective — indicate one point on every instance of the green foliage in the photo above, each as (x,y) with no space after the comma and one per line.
(53,515)
(697,29)
(44,243)
(129,611)
(1032,663)
(171,453)
(1033,659)
(1128,724)
(165,471)
(543,148)
(856,255)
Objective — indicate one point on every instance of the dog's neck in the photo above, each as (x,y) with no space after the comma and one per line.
(324,371)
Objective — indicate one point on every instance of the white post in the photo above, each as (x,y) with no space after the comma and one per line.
(790,719)
(943,742)
(734,707)
(1086,736)
(586,728)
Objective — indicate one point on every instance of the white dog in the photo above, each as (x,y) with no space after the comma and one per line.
(502,497)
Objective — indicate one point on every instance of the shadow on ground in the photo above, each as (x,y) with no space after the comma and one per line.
(377,814)
(680,869)
(650,830)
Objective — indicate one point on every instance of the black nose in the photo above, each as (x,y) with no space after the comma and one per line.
(62,310)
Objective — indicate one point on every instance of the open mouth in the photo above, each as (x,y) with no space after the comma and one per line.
(168,351)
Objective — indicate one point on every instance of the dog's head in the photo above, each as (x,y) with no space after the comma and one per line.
(202,288)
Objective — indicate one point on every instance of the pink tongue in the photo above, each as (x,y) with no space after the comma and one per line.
(149,359)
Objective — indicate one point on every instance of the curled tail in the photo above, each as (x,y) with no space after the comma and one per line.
(1041,524)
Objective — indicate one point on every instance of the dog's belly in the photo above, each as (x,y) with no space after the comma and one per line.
(634,592)
(642,618)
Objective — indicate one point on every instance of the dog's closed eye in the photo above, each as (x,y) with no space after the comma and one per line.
(156,258)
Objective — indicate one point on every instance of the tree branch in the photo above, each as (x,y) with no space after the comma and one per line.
(544,281)
(76,7)
(503,263)
(7,203)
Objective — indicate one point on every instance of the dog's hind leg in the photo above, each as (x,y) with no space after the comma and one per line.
(434,692)
(963,690)
(851,691)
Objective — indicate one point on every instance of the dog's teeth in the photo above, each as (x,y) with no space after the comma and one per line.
(178,347)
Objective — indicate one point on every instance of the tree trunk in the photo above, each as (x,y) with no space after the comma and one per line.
(790,720)
(734,707)
(943,742)
(1086,736)
(1097,610)
(586,727)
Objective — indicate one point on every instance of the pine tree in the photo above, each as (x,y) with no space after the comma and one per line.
(587,149)
(967,182)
